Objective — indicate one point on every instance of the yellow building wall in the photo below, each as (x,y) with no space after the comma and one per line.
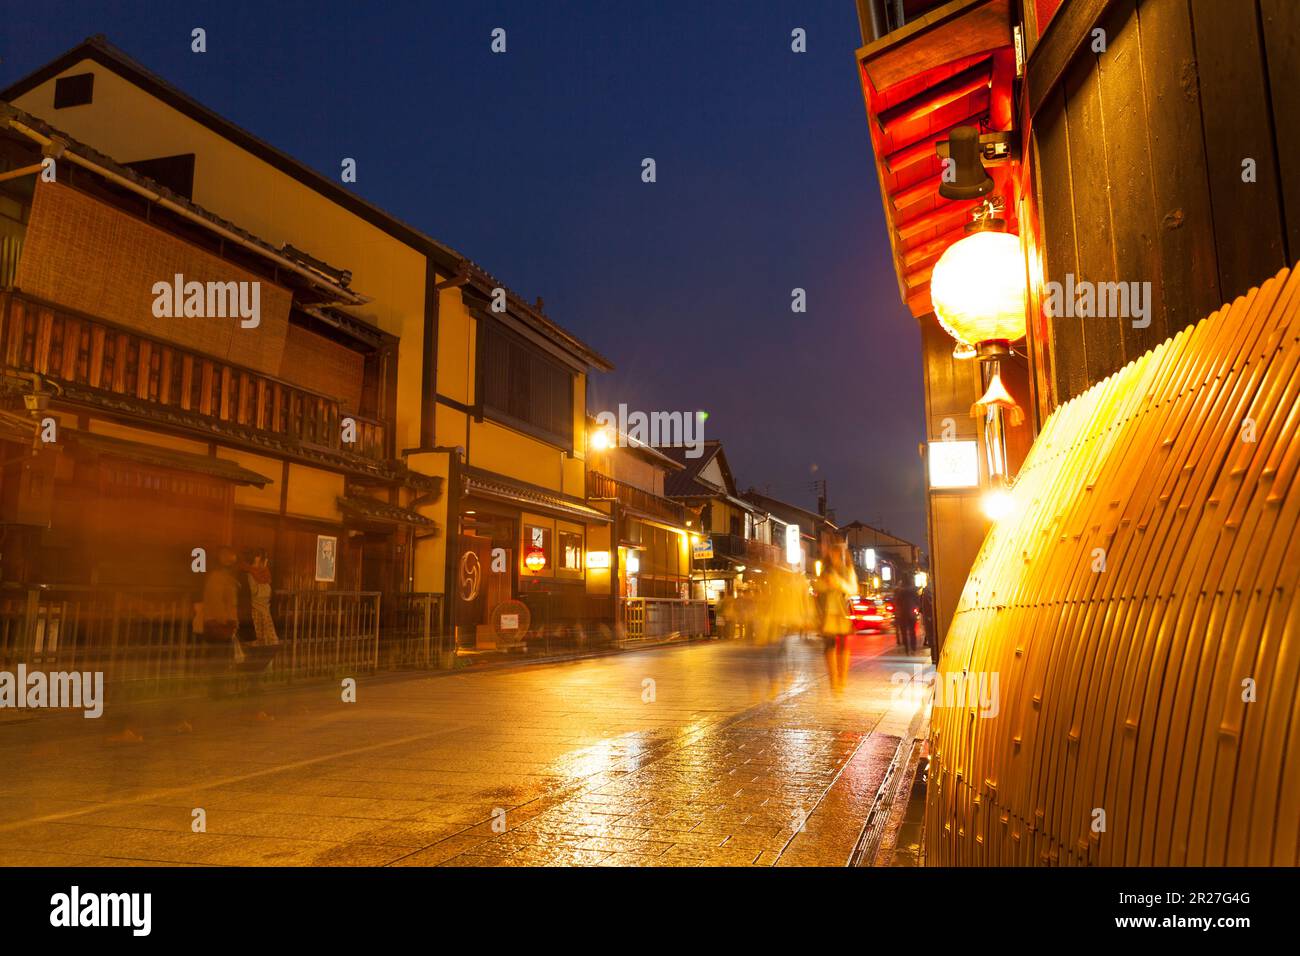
(127,433)
(430,559)
(456,348)
(313,493)
(249,496)
(508,452)
(598,539)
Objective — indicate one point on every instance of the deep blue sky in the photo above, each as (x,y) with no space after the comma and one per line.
(530,162)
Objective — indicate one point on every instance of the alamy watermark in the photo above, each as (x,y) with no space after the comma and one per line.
(208,300)
(977,690)
(657,429)
(76,690)
(1079,298)
(75,908)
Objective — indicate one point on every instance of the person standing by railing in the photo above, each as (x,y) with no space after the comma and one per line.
(258,572)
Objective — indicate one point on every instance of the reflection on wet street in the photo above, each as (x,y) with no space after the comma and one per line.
(686,755)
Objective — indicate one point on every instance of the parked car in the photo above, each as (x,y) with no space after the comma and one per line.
(870,615)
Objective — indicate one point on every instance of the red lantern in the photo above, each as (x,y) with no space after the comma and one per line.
(535,559)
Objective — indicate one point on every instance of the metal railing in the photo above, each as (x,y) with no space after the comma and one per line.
(411,633)
(649,619)
(325,632)
(141,634)
(142,638)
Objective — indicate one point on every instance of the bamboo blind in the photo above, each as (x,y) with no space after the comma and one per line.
(314,362)
(86,255)
(1121,689)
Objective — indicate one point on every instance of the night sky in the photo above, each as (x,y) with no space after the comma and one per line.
(530,163)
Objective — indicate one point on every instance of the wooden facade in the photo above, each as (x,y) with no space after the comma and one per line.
(1138,172)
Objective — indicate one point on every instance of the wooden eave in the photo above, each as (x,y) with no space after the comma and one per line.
(952,67)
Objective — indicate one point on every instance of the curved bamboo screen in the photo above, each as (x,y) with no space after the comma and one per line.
(1127,612)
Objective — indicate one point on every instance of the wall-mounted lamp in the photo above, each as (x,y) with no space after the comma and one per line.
(964,174)
(978,292)
(964,153)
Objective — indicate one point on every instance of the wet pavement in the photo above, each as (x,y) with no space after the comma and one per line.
(678,756)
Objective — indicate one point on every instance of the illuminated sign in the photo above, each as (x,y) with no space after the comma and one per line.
(535,559)
(597,559)
(886,572)
(793,552)
(871,559)
(954,464)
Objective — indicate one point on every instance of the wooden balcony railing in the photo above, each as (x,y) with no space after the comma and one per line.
(602,486)
(743,549)
(760,552)
(74,349)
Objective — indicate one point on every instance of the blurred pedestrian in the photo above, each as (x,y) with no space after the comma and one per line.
(220,619)
(834,586)
(927,616)
(907,607)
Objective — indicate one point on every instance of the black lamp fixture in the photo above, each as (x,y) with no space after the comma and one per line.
(969,178)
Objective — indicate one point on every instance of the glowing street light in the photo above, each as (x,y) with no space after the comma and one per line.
(997,504)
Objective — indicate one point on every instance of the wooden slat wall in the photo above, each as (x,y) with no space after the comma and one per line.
(1120,685)
(1139,172)
(77,351)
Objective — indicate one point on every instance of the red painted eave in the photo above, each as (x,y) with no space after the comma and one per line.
(951,67)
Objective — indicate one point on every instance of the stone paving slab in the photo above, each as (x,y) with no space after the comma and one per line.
(550,765)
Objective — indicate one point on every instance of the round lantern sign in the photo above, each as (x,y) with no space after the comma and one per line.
(978,288)
(535,559)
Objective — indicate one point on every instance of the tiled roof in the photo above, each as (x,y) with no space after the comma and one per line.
(495,486)
(374,508)
(686,483)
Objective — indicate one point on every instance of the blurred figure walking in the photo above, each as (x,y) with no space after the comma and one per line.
(221,617)
(836,583)
(907,608)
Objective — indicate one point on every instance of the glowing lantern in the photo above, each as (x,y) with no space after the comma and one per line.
(978,288)
(978,292)
(535,559)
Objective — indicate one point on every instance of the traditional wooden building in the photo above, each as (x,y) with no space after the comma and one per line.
(648,558)
(730,530)
(871,547)
(384,422)
(811,527)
